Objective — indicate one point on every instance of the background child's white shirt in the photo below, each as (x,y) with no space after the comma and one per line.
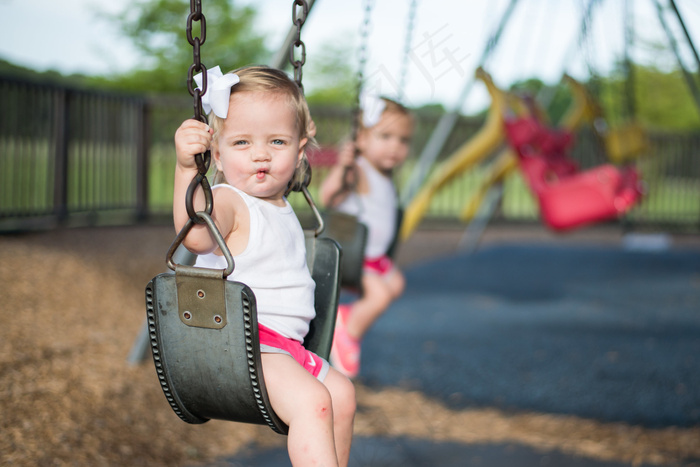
(376,209)
(274,266)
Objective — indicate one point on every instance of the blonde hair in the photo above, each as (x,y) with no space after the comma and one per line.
(260,78)
(391,106)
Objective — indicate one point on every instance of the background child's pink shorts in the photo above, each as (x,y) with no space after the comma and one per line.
(381,265)
(274,342)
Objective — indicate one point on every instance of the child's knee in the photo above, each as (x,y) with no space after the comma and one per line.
(345,403)
(385,295)
(321,403)
(377,291)
(398,284)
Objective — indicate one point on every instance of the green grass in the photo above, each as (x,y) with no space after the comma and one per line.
(101,176)
(161,170)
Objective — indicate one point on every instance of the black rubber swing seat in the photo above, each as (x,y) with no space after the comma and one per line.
(351,234)
(204,337)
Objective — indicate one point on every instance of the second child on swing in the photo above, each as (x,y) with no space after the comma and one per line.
(385,130)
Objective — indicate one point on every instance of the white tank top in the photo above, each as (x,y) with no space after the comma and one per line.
(273,265)
(376,209)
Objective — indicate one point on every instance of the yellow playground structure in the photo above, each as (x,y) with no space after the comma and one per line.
(622,144)
(475,150)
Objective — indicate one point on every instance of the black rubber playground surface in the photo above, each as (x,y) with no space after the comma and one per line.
(599,332)
(402,452)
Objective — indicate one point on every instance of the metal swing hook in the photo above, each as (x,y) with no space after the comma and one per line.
(205,218)
(202,160)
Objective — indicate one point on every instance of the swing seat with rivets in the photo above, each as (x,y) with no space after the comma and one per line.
(351,235)
(204,336)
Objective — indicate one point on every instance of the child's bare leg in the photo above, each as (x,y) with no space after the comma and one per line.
(305,405)
(378,293)
(343,396)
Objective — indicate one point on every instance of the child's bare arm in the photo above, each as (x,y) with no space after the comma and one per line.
(191,138)
(334,182)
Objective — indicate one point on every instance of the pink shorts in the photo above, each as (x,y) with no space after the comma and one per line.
(382,265)
(274,342)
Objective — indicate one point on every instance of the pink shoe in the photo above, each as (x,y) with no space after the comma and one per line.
(345,352)
(344,311)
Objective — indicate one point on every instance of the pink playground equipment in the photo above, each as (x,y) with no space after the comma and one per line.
(567,196)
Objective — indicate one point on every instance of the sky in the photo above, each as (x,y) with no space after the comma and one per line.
(448,39)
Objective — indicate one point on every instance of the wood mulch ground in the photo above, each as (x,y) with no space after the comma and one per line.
(73,304)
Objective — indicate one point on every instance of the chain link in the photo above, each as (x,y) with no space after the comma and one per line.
(349,181)
(202,160)
(410,26)
(350,175)
(298,19)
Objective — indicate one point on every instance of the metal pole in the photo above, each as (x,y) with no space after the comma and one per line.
(447,121)
(685,31)
(476,228)
(61,137)
(674,46)
(546,93)
(143,125)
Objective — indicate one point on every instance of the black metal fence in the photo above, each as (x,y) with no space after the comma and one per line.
(74,157)
(70,156)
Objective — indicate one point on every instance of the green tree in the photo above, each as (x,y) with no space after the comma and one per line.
(11,70)
(330,78)
(662,99)
(157,30)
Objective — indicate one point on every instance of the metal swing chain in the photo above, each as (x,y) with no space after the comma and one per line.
(298,18)
(361,63)
(410,26)
(204,159)
(350,172)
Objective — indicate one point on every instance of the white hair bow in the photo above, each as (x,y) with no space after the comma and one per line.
(218,90)
(372,107)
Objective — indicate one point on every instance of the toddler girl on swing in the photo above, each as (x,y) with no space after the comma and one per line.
(259,129)
(383,140)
